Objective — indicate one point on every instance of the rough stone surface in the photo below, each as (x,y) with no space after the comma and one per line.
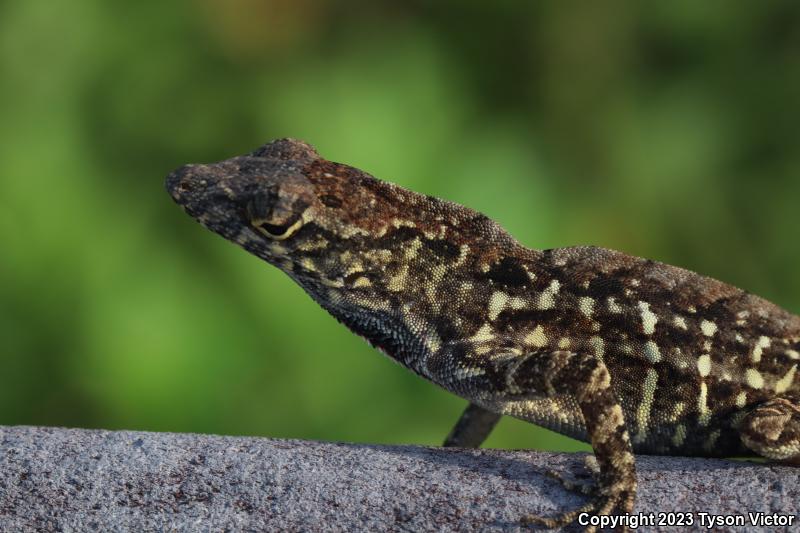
(54,479)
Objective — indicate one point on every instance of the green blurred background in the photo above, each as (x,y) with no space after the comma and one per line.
(665,129)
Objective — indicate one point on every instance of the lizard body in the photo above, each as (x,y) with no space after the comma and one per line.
(628,354)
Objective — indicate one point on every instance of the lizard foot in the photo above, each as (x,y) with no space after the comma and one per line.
(586,487)
(606,501)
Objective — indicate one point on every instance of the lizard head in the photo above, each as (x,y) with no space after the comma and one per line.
(336,230)
(256,200)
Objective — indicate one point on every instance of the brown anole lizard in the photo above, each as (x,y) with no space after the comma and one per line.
(628,354)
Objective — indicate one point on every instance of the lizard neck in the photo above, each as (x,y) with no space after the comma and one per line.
(410,294)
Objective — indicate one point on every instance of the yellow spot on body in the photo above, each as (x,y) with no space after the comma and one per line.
(649,318)
(432,284)
(783,384)
(433,342)
(702,405)
(692,309)
(634,283)
(646,405)
(462,255)
(586,305)
(679,322)
(613,306)
(704,365)
(413,248)
(483,334)
(397,282)
(383,256)
(536,338)
(516,303)
(708,328)
(739,338)
(355,267)
(564,343)
(754,378)
(598,345)
(481,350)
(792,354)
(758,349)
(349,230)
(652,352)
(401,222)
(362,282)
(497,302)
(547,297)
(308,264)
(706,346)
(741,399)
(679,436)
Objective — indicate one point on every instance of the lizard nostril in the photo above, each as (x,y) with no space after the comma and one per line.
(182,181)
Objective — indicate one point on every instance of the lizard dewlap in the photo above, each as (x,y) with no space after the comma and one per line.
(628,354)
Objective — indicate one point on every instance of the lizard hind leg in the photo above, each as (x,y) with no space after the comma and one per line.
(772,429)
(472,428)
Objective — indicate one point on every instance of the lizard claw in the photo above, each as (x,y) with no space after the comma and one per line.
(559,520)
(586,487)
(606,501)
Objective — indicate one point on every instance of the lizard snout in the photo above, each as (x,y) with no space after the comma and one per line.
(182,182)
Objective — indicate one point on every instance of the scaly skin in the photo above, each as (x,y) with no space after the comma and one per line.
(629,354)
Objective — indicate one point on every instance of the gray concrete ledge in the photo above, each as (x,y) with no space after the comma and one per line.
(54,479)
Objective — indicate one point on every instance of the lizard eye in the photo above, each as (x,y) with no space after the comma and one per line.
(274,215)
(279,231)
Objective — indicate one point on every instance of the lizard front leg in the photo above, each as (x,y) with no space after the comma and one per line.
(586,378)
(472,428)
